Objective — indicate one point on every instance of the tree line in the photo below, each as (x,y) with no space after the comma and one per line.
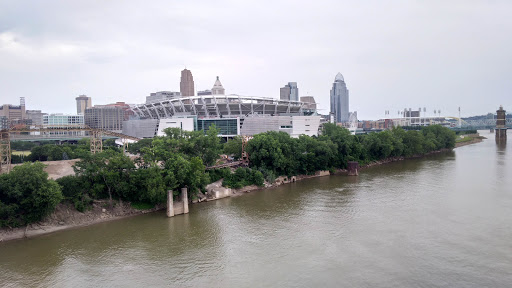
(49,151)
(276,153)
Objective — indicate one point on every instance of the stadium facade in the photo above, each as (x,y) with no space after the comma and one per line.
(232,114)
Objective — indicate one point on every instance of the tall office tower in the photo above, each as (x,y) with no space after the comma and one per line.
(217,88)
(339,99)
(13,112)
(290,92)
(186,83)
(82,102)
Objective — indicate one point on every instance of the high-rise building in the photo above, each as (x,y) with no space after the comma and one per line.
(186,83)
(82,102)
(218,89)
(290,92)
(161,96)
(105,118)
(36,116)
(13,112)
(339,99)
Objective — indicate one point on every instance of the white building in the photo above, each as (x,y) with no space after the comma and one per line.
(59,120)
(186,124)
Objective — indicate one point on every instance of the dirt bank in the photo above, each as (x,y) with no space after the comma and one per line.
(66,216)
(58,169)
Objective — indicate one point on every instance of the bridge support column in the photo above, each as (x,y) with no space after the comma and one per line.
(184,197)
(501,125)
(170,204)
(353,168)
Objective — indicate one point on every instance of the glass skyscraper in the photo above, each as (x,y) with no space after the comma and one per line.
(290,92)
(339,99)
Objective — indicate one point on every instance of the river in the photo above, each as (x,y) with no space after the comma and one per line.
(440,221)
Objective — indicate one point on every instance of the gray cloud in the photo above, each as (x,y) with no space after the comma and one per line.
(436,54)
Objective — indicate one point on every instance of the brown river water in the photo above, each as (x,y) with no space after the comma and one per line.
(441,221)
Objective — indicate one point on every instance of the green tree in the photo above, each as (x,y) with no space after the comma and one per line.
(148,185)
(27,195)
(74,191)
(234,147)
(136,147)
(180,172)
(189,143)
(108,172)
(344,141)
(413,143)
(265,153)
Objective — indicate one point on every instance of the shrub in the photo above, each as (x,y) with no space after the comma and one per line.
(244,177)
(217,174)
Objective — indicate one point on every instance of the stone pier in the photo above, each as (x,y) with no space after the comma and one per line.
(353,168)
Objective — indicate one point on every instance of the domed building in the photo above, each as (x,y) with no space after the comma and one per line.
(218,89)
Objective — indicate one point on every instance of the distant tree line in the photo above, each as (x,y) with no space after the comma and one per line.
(276,153)
(50,151)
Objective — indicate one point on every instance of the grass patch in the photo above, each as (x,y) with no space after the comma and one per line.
(20,153)
(465,139)
(142,206)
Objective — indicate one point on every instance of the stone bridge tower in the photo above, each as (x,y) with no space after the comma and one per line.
(501,125)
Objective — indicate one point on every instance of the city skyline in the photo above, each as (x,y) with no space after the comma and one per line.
(435,55)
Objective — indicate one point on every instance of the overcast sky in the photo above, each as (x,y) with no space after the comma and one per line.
(393,54)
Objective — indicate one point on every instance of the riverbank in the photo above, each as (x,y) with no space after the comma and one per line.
(67,217)
(469,140)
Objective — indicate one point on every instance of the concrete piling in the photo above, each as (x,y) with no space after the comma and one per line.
(353,168)
(170,204)
(184,197)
